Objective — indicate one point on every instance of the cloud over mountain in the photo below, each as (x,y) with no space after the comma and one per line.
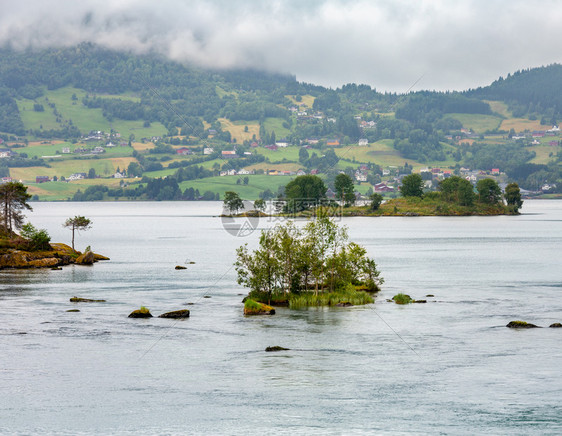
(389,44)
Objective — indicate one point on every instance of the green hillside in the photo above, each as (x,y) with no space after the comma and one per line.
(160,119)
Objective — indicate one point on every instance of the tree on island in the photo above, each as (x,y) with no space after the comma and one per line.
(292,261)
(376,200)
(513,196)
(344,189)
(304,192)
(233,202)
(458,190)
(77,223)
(412,186)
(14,198)
(259,204)
(489,191)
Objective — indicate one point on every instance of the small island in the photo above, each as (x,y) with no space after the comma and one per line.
(311,266)
(32,248)
(305,196)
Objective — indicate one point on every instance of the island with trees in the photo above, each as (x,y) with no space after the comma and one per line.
(314,265)
(32,247)
(305,196)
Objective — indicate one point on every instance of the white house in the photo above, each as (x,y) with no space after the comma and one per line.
(363,142)
(208,150)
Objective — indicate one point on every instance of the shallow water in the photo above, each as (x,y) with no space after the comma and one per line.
(449,366)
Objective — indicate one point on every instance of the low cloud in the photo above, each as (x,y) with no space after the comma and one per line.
(388,44)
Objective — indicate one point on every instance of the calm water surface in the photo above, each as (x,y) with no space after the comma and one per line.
(446,367)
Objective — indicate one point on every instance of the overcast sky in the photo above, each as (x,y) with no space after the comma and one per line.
(391,45)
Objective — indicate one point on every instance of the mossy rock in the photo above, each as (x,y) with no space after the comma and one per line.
(252,307)
(521,325)
(85,300)
(64,249)
(181,267)
(15,259)
(276,348)
(556,325)
(402,299)
(100,257)
(176,314)
(86,258)
(143,312)
(47,262)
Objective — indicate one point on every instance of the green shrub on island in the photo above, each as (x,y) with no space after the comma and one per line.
(348,296)
(402,299)
(304,265)
(38,238)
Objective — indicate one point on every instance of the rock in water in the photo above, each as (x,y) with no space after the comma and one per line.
(180,267)
(85,300)
(344,304)
(140,313)
(276,348)
(521,325)
(86,258)
(555,325)
(176,314)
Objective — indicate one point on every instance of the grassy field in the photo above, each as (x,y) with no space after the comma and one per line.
(55,191)
(103,167)
(307,100)
(236,129)
(522,124)
(543,153)
(499,107)
(289,153)
(477,122)
(277,167)
(84,118)
(383,153)
(251,191)
(276,125)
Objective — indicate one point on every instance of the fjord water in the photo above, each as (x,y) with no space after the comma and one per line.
(449,366)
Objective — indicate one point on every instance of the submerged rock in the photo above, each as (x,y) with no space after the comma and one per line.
(430,295)
(276,348)
(180,267)
(143,312)
(73,310)
(85,300)
(521,325)
(419,301)
(86,258)
(555,325)
(176,314)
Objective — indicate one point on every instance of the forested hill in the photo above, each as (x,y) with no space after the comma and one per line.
(536,92)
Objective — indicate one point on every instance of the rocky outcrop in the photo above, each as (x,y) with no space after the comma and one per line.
(47,262)
(143,312)
(85,300)
(87,258)
(58,255)
(252,307)
(521,325)
(176,314)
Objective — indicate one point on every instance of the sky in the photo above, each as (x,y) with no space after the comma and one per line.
(392,45)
